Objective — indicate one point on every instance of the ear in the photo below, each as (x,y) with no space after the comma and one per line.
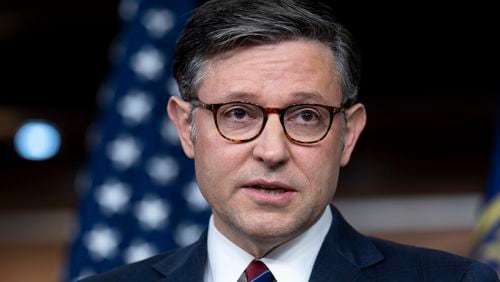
(178,112)
(355,122)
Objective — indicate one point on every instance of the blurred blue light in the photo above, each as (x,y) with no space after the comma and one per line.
(37,140)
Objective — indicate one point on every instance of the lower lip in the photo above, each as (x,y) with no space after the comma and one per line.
(267,198)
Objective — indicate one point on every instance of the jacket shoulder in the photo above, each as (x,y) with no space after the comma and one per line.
(175,263)
(139,271)
(409,263)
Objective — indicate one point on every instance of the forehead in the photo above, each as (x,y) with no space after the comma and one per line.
(285,72)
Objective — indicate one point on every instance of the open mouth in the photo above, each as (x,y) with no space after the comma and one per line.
(269,190)
(266,192)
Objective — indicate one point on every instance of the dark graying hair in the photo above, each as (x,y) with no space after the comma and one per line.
(219,26)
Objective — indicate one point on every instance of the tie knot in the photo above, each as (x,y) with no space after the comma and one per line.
(257,271)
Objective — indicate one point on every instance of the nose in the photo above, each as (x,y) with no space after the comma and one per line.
(272,145)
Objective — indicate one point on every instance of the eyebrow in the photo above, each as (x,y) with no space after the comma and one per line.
(303,96)
(239,95)
(293,98)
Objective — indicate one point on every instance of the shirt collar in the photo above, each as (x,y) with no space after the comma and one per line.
(292,261)
(226,261)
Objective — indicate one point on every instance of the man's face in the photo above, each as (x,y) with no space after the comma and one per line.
(268,190)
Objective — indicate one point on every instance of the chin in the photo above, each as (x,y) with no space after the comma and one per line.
(271,232)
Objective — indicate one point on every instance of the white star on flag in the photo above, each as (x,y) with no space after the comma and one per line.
(139,250)
(162,169)
(194,198)
(148,63)
(102,242)
(187,233)
(152,212)
(124,152)
(135,107)
(113,196)
(158,22)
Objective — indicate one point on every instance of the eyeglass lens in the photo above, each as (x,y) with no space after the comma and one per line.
(242,121)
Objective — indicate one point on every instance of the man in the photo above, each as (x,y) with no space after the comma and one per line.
(268,114)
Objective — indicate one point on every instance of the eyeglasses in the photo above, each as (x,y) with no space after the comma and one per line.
(241,122)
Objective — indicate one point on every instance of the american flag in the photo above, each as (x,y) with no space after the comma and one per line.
(488,227)
(139,196)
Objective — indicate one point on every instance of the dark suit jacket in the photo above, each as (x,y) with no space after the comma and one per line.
(345,255)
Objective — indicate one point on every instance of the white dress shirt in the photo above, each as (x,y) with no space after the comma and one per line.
(290,262)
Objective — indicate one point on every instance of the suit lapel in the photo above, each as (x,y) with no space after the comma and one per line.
(344,253)
(187,264)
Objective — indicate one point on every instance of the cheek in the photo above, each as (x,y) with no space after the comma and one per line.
(215,158)
(327,173)
(321,166)
(217,167)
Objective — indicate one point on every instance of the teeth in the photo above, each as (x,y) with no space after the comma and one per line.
(271,191)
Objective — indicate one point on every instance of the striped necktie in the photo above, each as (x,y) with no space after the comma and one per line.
(257,272)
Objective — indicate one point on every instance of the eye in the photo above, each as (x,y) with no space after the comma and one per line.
(304,115)
(239,112)
(307,115)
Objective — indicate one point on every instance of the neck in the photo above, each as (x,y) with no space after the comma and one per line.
(258,245)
